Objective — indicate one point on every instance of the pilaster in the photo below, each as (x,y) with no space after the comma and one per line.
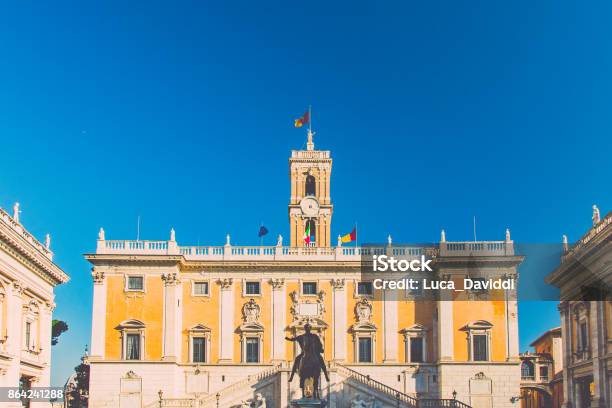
(171,323)
(445,324)
(598,350)
(339,319)
(390,322)
(566,333)
(14,314)
(98,317)
(279,318)
(226,316)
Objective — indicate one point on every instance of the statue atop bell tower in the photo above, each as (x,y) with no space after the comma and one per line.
(310,207)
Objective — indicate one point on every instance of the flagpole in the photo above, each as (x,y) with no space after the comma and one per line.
(310,118)
(356,234)
(261,237)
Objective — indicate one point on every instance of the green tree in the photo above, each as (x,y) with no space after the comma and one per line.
(79,395)
(57,328)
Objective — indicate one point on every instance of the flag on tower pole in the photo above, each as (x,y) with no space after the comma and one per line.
(350,237)
(303,120)
(262,231)
(307,234)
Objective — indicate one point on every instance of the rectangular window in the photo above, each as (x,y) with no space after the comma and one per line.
(28,331)
(252,350)
(200,288)
(364,288)
(135,283)
(544,373)
(365,350)
(416,349)
(199,349)
(252,288)
(480,347)
(584,339)
(309,288)
(132,347)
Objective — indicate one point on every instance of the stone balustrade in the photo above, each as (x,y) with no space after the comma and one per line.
(310,154)
(478,248)
(19,229)
(595,231)
(280,253)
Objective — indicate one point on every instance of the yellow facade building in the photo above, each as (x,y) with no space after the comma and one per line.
(205,326)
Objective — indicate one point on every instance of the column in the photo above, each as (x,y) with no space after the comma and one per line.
(513,330)
(98,316)
(279,319)
(14,318)
(445,324)
(44,380)
(597,350)
(171,322)
(46,312)
(226,312)
(566,334)
(339,315)
(390,326)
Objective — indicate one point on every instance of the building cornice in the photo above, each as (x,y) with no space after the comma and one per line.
(481,261)
(15,241)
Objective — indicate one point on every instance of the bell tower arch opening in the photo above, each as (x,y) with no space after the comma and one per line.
(310,187)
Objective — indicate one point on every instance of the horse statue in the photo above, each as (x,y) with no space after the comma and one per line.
(309,363)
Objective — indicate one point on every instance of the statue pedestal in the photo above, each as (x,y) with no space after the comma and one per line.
(307,403)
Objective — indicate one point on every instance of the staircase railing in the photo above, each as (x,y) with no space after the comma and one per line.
(397,395)
(377,385)
(441,403)
(214,398)
(250,380)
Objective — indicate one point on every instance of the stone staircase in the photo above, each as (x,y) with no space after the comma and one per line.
(347,385)
(382,395)
(230,396)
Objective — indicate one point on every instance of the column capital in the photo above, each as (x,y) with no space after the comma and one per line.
(50,306)
(18,287)
(277,284)
(98,276)
(337,284)
(170,279)
(225,283)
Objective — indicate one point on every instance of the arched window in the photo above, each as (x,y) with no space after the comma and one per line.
(311,189)
(527,370)
(310,233)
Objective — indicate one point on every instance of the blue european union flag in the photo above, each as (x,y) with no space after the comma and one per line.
(262,231)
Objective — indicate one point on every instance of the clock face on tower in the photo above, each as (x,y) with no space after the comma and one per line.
(309,206)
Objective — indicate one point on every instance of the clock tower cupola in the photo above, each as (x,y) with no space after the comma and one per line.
(310,207)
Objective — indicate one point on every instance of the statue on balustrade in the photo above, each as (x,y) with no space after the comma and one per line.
(309,363)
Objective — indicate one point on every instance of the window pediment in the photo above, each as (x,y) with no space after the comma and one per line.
(477,325)
(131,324)
(250,328)
(200,328)
(363,327)
(414,329)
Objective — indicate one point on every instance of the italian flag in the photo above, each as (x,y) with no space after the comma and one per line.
(307,234)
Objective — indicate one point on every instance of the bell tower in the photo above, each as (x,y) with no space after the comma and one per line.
(310,207)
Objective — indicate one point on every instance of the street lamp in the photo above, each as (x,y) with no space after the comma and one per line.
(161,395)
(454,394)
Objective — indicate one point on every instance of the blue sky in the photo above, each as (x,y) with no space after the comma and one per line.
(182,113)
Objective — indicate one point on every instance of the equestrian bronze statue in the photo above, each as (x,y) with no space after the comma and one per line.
(309,363)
